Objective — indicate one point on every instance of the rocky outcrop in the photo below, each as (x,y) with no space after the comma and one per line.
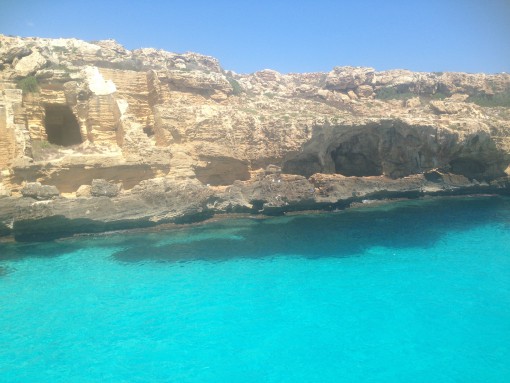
(162,200)
(349,78)
(96,137)
(28,65)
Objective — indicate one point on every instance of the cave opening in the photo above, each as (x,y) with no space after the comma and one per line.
(305,165)
(61,125)
(468,167)
(357,157)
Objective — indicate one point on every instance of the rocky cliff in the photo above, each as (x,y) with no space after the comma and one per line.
(96,137)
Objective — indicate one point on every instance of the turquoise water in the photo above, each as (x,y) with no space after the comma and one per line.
(410,292)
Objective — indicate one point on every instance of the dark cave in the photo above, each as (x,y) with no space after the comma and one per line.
(305,166)
(468,167)
(357,157)
(61,126)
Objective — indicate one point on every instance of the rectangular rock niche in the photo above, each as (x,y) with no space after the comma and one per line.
(61,125)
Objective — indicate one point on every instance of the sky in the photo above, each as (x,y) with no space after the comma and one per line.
(287,36)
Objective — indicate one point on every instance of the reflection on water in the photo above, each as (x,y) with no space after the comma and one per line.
(405,224)
(348,233)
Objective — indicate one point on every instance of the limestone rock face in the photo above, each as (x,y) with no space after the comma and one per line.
(97,84)
(187,139)
(198,81)
(396,150)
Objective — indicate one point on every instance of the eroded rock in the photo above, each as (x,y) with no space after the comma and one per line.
(39,192)
(186,139)
(28,65)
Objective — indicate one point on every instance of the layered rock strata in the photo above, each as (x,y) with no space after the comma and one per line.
(95,137)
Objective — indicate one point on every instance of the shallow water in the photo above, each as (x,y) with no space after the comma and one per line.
(409,292)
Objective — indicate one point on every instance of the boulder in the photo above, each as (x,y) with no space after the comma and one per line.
(83,191)
(28,65)
(103,188)
(39,192)
(16,52)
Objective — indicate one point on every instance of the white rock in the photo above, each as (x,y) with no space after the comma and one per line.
(97,84)
(123,106)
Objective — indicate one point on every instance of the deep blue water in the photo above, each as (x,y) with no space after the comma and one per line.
(409,292)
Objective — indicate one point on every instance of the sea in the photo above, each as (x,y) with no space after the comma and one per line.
(411,291)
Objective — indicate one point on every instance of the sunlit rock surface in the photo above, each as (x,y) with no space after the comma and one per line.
(96,137)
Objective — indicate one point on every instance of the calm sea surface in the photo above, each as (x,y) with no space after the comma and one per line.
(409,292)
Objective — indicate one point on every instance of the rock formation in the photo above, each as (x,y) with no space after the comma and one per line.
(96,137)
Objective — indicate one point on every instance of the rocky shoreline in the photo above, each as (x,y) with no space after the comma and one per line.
(94,137)
(30,219)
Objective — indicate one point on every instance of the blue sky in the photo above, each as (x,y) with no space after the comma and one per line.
(288,36)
